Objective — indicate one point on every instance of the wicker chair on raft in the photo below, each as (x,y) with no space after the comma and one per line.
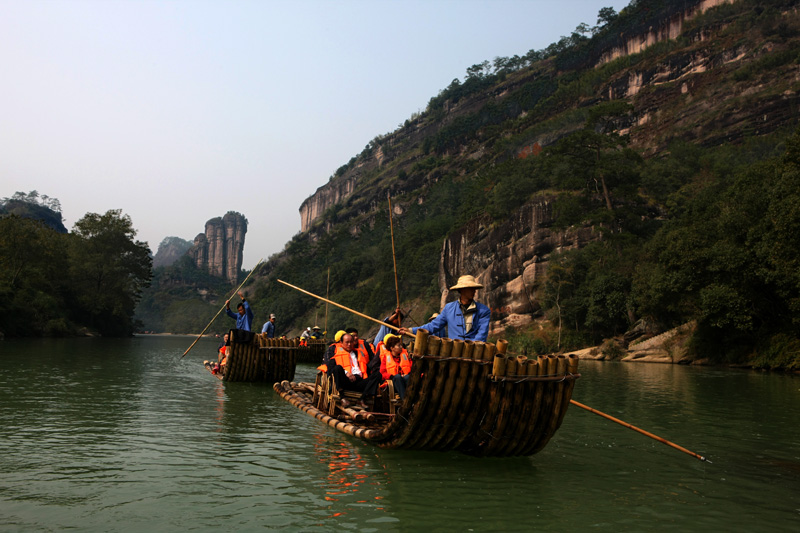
(462,395)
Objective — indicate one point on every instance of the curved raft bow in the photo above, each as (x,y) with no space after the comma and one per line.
(465,396)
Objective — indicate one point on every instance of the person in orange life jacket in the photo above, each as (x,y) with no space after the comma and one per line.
(327,357)
(373,362)
(395,363)
(222,355)
(465,319)
(350,369)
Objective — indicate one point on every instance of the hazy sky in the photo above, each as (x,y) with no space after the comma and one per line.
(179,111)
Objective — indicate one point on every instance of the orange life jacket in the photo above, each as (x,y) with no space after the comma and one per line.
(323,367)
(342,358)
(392,366)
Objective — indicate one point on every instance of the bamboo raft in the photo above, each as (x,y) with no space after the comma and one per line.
(462,395)
(262,359)
(313,352)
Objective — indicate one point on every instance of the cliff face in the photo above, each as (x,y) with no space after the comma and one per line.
(508,260)
(679,82)
(219,250)
(667,29)
(728,75)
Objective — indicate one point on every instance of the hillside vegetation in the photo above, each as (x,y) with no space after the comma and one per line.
(683,158)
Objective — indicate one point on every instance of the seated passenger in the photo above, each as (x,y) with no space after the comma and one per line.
(349,370)
(395,363)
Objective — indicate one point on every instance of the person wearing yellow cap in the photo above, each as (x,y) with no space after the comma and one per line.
(465,319)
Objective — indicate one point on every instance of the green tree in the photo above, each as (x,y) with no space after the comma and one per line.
(32,266)
(108,269)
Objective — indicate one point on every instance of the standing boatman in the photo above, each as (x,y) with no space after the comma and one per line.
(244,318)
(269,327)
(465,319)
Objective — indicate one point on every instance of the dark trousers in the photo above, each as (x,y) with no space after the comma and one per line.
(400,383)
(366,386)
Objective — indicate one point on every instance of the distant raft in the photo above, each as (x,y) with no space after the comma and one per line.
(462,395)
(254,357)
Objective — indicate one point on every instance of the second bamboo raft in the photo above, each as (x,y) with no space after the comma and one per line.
(261,359)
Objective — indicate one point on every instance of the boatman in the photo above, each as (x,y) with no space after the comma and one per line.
(244,318)
(465,319)
(396,320)
(269,327)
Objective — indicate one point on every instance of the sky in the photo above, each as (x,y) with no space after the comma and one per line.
(176,112)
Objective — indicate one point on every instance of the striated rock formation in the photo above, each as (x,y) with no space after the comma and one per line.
(509,260)
(667,29)
(219,249)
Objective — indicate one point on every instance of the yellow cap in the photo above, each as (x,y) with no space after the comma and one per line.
(387,337)
(338,336)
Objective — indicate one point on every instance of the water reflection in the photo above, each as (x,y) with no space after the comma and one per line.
(126,435)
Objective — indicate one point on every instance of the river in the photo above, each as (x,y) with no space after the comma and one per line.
(124,435)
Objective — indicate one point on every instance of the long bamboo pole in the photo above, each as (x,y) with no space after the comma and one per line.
(223,307)
(362,315)
(394,257)
(643,432)
(327,295)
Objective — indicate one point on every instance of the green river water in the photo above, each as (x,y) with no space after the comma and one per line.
(124,435)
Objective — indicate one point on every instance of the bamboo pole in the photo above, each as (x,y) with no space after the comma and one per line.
(327,295)
(643,432)
(394,258)
(223,307)
(362,315)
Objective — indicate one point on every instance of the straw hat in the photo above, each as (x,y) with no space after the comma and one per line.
(466,282)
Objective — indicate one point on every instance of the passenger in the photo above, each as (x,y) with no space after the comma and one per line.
(365,348)
(465,319)
(244,318)
(269,327)
(395,363)
(350,370)
(330,351)
(306,334)
(396,320)
(222,356)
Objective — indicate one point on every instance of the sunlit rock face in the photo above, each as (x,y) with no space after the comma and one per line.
(219,250)
(509,260)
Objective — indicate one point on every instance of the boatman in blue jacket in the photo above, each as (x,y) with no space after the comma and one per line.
(244,318)
(465,319)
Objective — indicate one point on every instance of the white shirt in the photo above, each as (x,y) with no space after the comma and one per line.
(354,368)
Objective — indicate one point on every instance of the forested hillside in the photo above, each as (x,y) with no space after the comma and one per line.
(657,154)
(54,283)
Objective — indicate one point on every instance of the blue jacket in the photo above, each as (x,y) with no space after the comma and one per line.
(452,318)
(242,321)
(269,329)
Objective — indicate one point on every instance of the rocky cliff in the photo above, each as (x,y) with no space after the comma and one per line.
(219,250)
(709,72)
(509,259)
(667,93)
